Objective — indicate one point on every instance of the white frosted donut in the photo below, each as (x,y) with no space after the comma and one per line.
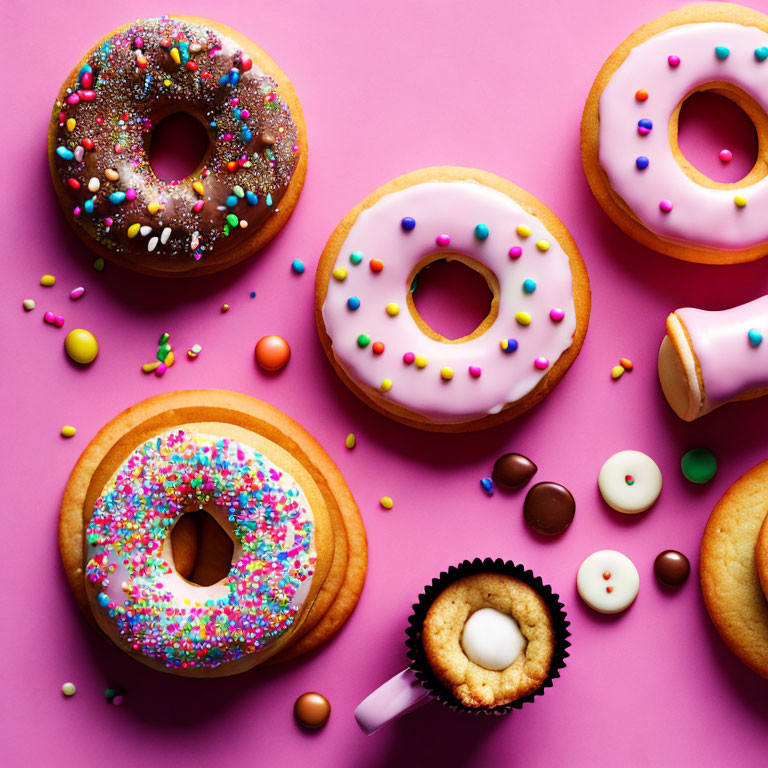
(375,337)
(629,130)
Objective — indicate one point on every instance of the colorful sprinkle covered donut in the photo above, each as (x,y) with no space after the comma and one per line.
(629,134)
(388,355)
(296,548)
(248,183)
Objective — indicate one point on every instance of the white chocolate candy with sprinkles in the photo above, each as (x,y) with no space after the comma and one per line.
(608,581)
(492,639)
(630,482)
(458,381)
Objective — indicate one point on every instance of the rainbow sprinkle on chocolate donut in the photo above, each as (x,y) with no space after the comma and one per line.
(102,124)
(155,611)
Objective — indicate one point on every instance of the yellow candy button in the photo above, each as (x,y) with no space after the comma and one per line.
(523,318)
(68,431)
(523,231)
(386,502)
(81,346)
(339,273)
(47,280)
(393,309)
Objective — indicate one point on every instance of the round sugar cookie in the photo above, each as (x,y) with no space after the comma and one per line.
(608,581)
(630,482)
(730,577)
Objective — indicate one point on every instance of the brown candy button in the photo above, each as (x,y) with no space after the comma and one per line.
(549,508)
(312,710)
(513,470)
(671,568)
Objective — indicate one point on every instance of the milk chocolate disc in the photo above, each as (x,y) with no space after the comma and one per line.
(671,568)
(549,508)
(312,710)
(513,470)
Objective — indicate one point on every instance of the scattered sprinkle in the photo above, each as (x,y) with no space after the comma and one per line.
(541,363)
(641,95)
(47,280)
(376,265)
(77,293)
(409,357)
(28,304)
(363,340)
(150,367)
(225,307)
(339,273)
(761,53)
(420,361)
(725,154)
(68,431)
(755,337)
(194,351)
(523,231)
(353,302)
(529,286)
(487,485)
(98,264)
(542,245)
(443,240)
(386,502)
(642,162)
(68,689)
(475,370)
(523,318)
(350,442)
(644,126)
(393,309)
(53,319)
(356,257)
(408,223)
(740,201)
(617,371)
(297,265)
(515,252)
(252,294)
(673,61)
(446,373)
(508,345)
(378,347)
(386,385)
(626,364)
(81,346)
(665,206)
(556,314)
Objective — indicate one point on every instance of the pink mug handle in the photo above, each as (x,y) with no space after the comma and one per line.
(400,694)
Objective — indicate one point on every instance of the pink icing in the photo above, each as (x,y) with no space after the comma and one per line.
(451,209)
(729,364)
(695,214)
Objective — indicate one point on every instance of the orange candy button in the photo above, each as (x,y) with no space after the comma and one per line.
(272,353)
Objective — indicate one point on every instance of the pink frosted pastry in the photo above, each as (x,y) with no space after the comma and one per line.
(709,358)
(629,133)
(389,356)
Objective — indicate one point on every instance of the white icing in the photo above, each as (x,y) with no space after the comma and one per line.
(492,639)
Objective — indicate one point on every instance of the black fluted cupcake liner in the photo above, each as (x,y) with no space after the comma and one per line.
(418,657)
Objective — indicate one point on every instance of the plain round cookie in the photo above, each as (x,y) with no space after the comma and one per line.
(611,202)
(471,684)
(729,575)
(761,556)
(337,592)
(581,297)
(261,236)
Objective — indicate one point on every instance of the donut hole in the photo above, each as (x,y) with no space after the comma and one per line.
(178,145)
(201,550)
(710,120)
(452,298)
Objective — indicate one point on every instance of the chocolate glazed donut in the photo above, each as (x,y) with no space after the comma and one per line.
(248,182)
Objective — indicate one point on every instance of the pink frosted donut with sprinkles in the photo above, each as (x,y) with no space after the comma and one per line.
(136,593)
(629,132)
(244,189)
(389,356)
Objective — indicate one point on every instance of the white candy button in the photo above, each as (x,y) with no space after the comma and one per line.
(630,482)
(492,639)
(608,581)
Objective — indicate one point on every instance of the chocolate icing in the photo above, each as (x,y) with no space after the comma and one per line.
(132,80)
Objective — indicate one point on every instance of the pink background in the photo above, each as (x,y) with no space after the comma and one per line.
(387,87)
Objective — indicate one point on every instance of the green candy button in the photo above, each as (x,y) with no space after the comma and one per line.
(699,465)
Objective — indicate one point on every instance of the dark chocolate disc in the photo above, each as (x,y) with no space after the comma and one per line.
(671,568)
(513,470)
(549,508)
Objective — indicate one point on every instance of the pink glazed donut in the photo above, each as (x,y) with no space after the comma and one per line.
(384,350)
(629,134)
